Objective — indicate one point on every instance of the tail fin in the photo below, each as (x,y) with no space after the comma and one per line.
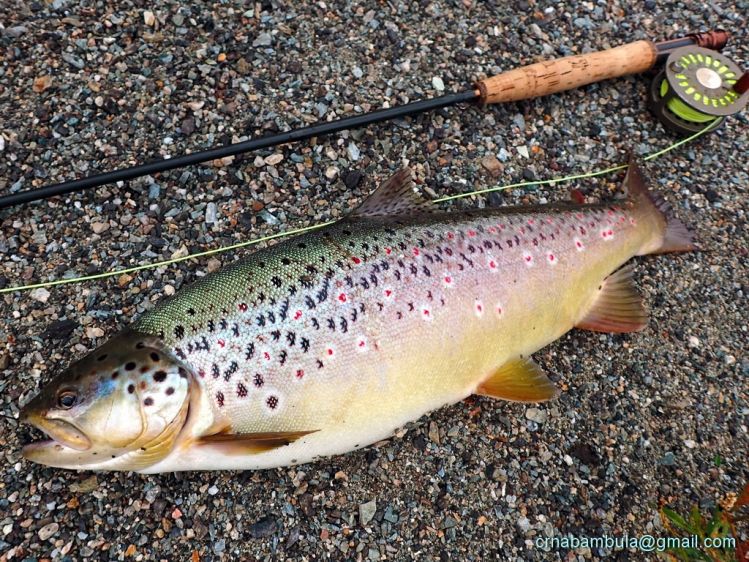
(677,237)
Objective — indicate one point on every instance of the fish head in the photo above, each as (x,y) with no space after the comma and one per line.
(119,408)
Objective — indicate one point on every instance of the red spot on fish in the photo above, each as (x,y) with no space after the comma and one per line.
(388,251)
(242,307)
(492,264)
(297,315)
(610,233)
(300,373)
(531,222)
(201,373)
(501,226)
(355,260)
(491,230)
(266,355)
(426,314)
(479,308)
(416,251)
(552,259)
(342,297)
(448,280)
(388,292)
(550,220)
(471,233)
(330,351)
(498,308)
(450,235)
(221,343)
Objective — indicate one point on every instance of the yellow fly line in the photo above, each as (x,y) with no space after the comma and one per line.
(292,232)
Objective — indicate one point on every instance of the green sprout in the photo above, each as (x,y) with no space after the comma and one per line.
(721,524)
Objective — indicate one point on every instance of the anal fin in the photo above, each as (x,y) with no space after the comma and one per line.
(250,443)
(618,307)
(519,380)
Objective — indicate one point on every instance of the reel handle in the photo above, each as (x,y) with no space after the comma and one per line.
(550,77)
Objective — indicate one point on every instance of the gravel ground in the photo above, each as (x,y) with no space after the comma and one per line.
(645,419)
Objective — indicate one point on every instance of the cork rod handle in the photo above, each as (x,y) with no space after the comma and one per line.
(550,77)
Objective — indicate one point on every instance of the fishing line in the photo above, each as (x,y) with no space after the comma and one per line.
(301,230)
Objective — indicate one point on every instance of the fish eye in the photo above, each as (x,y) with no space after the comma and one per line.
(67,399)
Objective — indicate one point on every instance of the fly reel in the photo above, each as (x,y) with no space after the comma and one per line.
(696,89)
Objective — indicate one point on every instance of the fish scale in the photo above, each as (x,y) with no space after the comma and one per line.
(329,341)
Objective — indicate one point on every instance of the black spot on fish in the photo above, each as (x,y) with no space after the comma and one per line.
(233,368)
(285,261)
(101,357)
(211,326)
(331,324)
(271,317)
(141,345)
(291,338)
(315,324)
(215,371)
(258,380)
(159,376)
(305,344)
(249,351)
(320,364)
(235,330)
(155,357)
(260,320)
(220,399)
(115,375)
(309,302)
(179,332)
(179,353)
(282,357)
(170,391)
(191,311)
(277,283)
(276,335)
(130,388)
(129,366)
(272,402)
(148,401)
(241,390)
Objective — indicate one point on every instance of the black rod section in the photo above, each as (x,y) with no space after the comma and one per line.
(316,130)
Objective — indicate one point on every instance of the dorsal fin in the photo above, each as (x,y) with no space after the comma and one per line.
(394,197)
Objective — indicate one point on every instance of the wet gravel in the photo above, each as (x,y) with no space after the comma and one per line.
(645,419)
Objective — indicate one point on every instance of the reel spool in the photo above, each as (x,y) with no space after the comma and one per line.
(696,88)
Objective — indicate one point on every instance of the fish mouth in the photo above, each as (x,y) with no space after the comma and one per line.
(62,434)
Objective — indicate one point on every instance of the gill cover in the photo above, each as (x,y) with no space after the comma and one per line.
(120,407)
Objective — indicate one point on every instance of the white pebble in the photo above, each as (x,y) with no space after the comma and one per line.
(41,294)
(523,151)
(691,444)
(331,173)
(693,341)
(357,72)
(353,151)
(438,84)
(213,490)
(567,460)
(274,159)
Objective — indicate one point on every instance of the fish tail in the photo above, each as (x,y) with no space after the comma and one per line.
(673,235)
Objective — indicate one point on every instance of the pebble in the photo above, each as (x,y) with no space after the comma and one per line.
(353,151)
(273,159)
(438,84)
(331,172)
(48,531)
(535,414)
(210,213)
(367,512)
(41,294)
(99,227)
(523,151)
(357,72)
(262,40)
(694,341)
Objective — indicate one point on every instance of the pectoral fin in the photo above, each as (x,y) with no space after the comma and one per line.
(520,380)
(250,443)
(617,308)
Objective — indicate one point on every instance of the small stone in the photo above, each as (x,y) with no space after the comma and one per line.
(503,155)
(213,265)
(523,151)
(268,217)
(524,524)
(188,126)
(219,546)
(15,32)
(693,341)
(352,179)
(210,213)
(273,159)
(93,333)
(690,443)
(669,459)
(434,432)
(492,165)
(519,121)
(169,290)
(438,84)
(4,361)
(353,151)
(212,491)
(60,329)
(41,294)
(154,191)
(41,84)
(49,531)
(264,527)
(263,40)
(535,414)
(331,172)
(357,72)
(367,512)
(124,279)
(99,227)
(149,18)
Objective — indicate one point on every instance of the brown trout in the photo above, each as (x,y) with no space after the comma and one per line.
(330,341)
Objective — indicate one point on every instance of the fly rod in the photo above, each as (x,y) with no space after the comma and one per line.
(535,80)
